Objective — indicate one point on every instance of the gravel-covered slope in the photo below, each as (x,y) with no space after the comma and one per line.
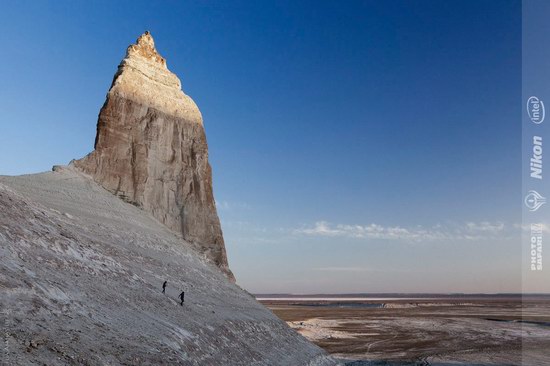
(80,280)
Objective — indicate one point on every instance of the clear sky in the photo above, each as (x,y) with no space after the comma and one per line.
(357,146)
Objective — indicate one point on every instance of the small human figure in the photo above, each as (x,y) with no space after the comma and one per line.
(164,286)
(182,295)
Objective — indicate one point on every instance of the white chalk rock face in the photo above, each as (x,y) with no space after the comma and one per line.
(151,150)
(81,276)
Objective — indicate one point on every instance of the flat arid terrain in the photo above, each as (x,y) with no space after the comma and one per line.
(426,329)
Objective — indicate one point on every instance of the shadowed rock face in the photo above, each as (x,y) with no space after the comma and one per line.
(151,150)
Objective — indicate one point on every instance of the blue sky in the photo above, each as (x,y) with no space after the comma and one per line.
(369,146)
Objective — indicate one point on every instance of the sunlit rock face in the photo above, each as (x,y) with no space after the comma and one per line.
(151,150)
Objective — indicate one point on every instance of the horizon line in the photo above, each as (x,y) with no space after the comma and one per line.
(405,293)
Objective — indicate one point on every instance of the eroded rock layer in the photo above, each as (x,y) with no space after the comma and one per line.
(151,150)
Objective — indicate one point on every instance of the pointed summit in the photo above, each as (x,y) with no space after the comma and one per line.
(151,150)
(143,77)
(145,47)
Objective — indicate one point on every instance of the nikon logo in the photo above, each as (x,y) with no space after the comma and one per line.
(536,159)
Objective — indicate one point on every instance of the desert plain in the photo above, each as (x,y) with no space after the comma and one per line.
(423,329)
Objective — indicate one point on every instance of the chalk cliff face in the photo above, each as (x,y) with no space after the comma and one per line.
(81,270)
(151,150)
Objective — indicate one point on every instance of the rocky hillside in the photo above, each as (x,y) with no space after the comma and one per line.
(81,274)
(85,249)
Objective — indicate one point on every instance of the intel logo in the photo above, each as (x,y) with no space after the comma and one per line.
(535,110)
